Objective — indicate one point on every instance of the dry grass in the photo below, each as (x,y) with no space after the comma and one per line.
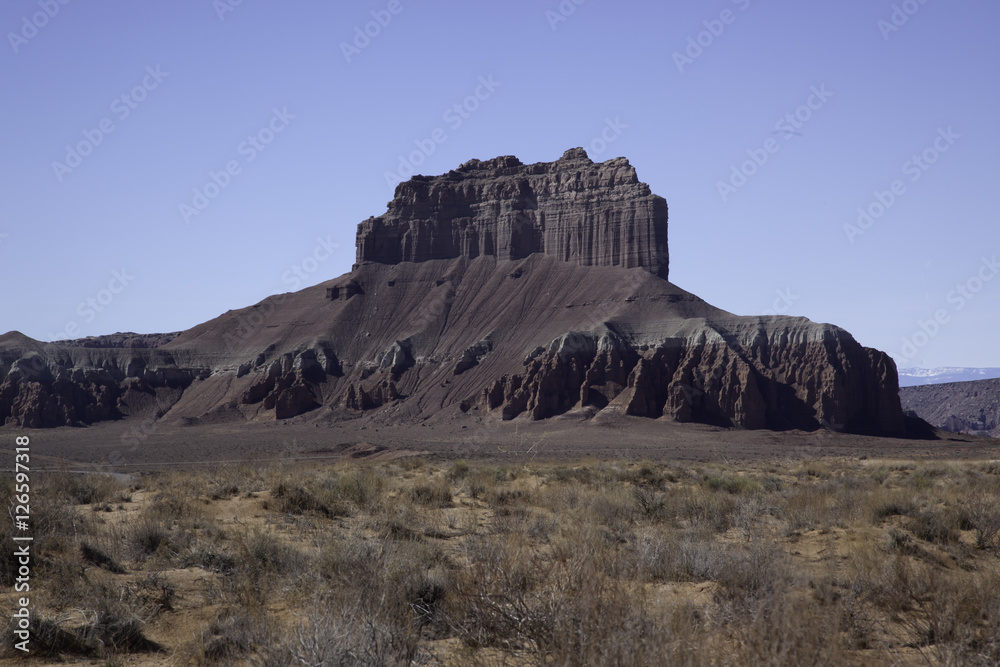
(834,562)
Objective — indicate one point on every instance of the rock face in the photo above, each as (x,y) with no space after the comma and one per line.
(53,385)
(496,291)
(573,210)
(962,407)
(127,340)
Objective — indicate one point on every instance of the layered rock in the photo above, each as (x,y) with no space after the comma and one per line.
(125,340)
(716,381)
(74,385)
(961,407)
(573,210)
(496,291)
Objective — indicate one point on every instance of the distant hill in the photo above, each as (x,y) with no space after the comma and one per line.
(912,377)
(961,407)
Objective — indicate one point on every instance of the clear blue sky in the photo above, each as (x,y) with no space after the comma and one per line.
(328,122)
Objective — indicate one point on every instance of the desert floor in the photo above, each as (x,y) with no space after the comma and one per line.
(511,544)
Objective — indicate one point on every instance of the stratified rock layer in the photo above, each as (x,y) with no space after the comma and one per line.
(962,407)
(573,210)
(497,291)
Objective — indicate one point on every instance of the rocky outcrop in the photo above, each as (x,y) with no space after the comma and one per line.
(42,391)
(474,354)
(290,385)
(126,340)
(496,291)
(717,382)
(380,394)
(572,209)
(961,407)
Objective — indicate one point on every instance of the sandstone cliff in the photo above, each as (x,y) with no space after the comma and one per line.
(573,210)
(496,291)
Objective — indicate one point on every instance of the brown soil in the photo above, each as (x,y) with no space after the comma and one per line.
(115,446)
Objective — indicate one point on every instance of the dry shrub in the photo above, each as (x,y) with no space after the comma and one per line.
(435,492)
(982,515)
(611,506)
(936,524)
(236,636)
(813,468)
(891,582)
(168,507)
(230,480)
(886,503)
(363,486)
(117,628)
(785,629)
(706,509)
(85,489)
(325,500)
(495,595)
(147,536)
(383,596)
(588,618)
(647,473)
(650,503)
(115,624)
(734,484)
(458,470)
(565,475)
(95,556)
(48,639)
(337,631)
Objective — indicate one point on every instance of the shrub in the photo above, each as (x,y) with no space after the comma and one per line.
(650,503)
(363,487)
(147,536)
(435,493)
(982,515)
(935,524)
(892,503)
(95,556)
(86,489)
(292,499)
(735,484)
(459,469)
(236,635)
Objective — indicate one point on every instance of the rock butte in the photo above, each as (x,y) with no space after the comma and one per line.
(496,291)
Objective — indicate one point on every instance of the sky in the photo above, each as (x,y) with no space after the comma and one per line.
(162,163)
